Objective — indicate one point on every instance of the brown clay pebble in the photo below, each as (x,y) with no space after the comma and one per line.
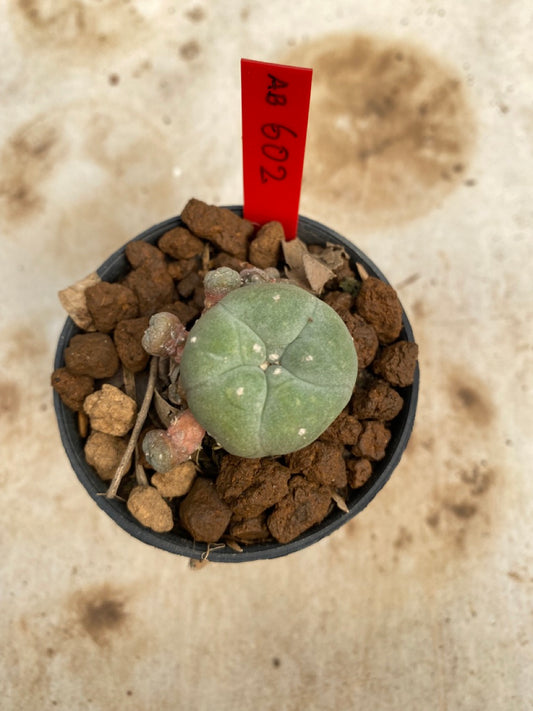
(306,504)
(149,508)
(373,441)
(218,225)
(203,513)
(153,287)
(188,284)
(179,269)
(104,452)
(110,303)
(397,363)
(185,312)
(180,243)
(364,337)
(321,462)
(223,259)
(72,389)
(127,336)
(250,486)
(249,530)
(198,297)
(236,474)
(340,301)
(376,400)
(379,305)
(265,248)
(92,354)
(176,482)
(345,430)
(143,254)
(359,472)
(110,410)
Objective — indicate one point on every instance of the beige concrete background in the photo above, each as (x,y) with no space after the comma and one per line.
(113,114)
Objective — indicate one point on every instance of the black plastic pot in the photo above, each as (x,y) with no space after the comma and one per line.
(115,266)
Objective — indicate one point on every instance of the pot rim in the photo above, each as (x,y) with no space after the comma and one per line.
(312,232)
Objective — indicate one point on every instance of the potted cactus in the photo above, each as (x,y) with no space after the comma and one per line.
(265,370)
(247,427)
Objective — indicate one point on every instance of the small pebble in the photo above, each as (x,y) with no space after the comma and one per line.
(378,303)
(110,410)
(92,354)
(104,452)
(397,363)
(306,503)
(203,513)
(177,481)
(265,248)
(373,441)
(149,508)
(72,389)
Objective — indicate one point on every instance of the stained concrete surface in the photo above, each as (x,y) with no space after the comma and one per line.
(420,150)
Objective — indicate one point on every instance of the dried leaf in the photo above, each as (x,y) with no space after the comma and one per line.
(232,543)
(205,258)
(198,564)
(83,424)
(204,558)
(362,271)
(165,411)
(73,301)
(140,473)
(129,382)
(316,272)
(174,371)
(164,369)
(341,503)
(293,253)
(174,394)
(309,271)
(297,278)
(333,256)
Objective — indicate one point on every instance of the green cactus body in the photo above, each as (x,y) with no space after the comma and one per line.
(267,369)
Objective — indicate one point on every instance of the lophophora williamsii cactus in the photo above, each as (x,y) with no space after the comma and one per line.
(265,370)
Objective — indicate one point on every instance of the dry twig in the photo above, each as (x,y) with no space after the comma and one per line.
(141,417)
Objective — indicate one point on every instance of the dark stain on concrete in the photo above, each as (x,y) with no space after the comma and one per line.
(86,30)
(463,509)
(479,479)
(130,155)
(196,14)
(25,343)
(463,503)
(391,129)
(10,399)
(403,539)
(433,519)
(27,159)
(189,50)
(470,399)
(100,613)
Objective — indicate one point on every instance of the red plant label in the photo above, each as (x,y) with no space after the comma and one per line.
(275,109)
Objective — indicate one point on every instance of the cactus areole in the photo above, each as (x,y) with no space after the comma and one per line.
(267,369)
